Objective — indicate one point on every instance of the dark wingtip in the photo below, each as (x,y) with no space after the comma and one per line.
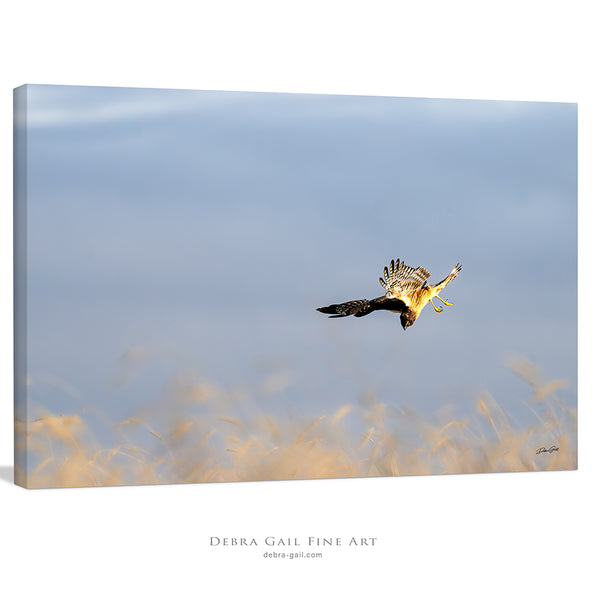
(328,310)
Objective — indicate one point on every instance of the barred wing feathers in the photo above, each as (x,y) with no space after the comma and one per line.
(401,278)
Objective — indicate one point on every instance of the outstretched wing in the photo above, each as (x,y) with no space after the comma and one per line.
(401,279)
(360,308)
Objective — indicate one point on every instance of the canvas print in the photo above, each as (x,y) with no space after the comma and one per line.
(233,286)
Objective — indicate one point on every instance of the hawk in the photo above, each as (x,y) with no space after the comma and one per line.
(406,292)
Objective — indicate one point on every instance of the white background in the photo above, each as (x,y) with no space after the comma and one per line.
(492,536)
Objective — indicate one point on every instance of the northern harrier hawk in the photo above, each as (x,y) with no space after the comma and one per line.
(406,292)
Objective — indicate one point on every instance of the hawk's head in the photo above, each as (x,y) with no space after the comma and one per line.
(407,319)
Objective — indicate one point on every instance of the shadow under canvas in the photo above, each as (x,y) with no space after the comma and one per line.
(7,473)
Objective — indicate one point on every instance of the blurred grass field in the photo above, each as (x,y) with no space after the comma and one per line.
(202,433)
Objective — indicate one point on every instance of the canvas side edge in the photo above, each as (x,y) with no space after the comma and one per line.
(20,282)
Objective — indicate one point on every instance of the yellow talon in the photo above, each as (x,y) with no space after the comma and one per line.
(445,301)
(438,310)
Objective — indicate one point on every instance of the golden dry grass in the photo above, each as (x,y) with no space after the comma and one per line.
(199,436)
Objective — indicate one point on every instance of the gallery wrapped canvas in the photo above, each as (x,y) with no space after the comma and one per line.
(178,254)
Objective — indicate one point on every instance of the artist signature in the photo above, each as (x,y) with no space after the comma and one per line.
(548,450)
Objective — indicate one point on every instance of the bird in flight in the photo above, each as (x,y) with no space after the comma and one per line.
(406,292)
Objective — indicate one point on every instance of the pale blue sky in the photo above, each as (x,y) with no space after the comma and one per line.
(204,228)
